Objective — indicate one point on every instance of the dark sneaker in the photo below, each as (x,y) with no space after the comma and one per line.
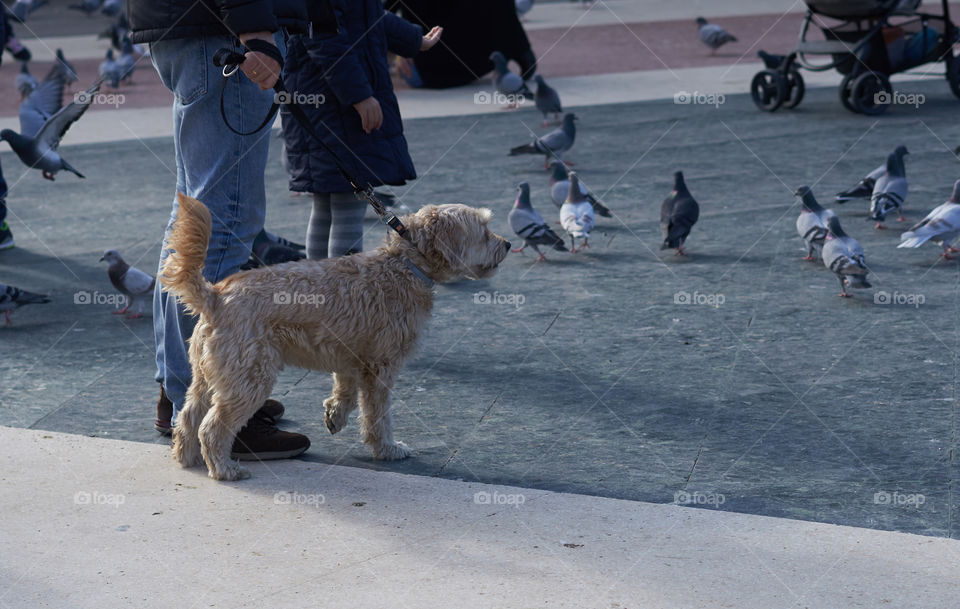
(164,414)
(6,237)
(260,440)
(862,190)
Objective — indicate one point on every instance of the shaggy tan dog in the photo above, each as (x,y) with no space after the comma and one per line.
(358,317)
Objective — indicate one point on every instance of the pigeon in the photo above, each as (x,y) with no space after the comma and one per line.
(576,215)
(112,8)
(864,188)
(87,6)
(678,214)
(713,35)
(942,226)
(508,84)
(12,298)
(126,62)
(530,226)
(40,151)
(116,33)
(25,81)
(64,69)
(560,184)
(843,255)
(546,99)
(523,7)
(22,8)
(110,70)
(812,223)
(553,144)
(890,191)
(129,281)
(44,101)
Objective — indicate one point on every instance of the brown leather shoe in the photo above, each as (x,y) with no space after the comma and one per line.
(164,414)
(260,440)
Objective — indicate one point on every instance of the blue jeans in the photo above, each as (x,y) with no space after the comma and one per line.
(223,170)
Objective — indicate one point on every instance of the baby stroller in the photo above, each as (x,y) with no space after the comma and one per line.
(867,41)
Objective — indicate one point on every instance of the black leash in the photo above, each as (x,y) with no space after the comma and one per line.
(230,62)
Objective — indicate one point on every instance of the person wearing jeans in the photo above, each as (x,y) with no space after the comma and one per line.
(218,167)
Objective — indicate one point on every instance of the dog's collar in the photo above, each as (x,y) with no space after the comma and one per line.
(418,272)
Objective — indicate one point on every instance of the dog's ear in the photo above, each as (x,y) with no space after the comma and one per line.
(485,214)
(437,233)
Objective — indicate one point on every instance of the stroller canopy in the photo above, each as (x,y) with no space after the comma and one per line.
(860,9)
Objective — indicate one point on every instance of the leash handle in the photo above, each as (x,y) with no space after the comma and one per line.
(230,62)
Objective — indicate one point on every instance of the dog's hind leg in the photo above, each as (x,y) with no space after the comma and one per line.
(186,442)
(376,427)
(342,401)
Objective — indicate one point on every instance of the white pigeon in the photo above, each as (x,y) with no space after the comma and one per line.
(890,191)
(812,223)
(713,35)
(130,281)
(843,255)
(560,184)
(942,226)
(864,188)
(576,215)
(12,298)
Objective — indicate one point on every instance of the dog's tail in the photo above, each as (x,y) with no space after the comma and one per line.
(183,269)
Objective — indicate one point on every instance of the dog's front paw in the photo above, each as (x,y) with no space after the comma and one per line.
(391,452)
(231,472)
(335,414)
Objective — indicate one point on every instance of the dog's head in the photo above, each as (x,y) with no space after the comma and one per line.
(456,241)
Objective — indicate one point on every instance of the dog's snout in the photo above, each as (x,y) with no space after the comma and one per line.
(506,244)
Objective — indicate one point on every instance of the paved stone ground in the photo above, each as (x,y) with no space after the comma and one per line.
(784,400)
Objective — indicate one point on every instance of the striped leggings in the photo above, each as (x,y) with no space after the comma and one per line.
(336,225)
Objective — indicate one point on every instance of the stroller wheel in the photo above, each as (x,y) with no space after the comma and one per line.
(953,72)
(871,93)
(795,89)
(768,90)
(846,86)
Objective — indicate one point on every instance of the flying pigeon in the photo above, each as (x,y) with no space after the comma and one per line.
(129,281)
(546,99)
(812,223)
(508,84)
(843,255)
(25,81)
(529,225)
(942,226)
(87,6)
(553,144)
(12,298)
(678,214)
(126,62)
(110,70)
(40,151)
(890,191)
(44,101)
(560,184)
(523,7)
(713,35)
(864,188)
(112,8)
(576,215)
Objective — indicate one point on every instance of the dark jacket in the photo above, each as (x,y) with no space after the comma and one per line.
(151,20)
(345,68)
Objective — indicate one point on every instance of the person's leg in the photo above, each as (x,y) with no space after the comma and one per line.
(318,231)
(346,228)
(6,235)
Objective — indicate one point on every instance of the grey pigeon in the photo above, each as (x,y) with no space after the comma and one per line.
(546,99)
(116,32)
(576,215)
(22,8)
(864,188)
(507,83)
(843,255)
(713,35)
(25,81)
(812,223)
(530,226)
(87,6)
(560,184)
(44,101)
(62,69)
(553,144)
(110,70)
(40,151)
(678,213)
(890,191)
(942,226)
(12,298)
(126,62)
(112,8)
(129,281)
(523,7)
